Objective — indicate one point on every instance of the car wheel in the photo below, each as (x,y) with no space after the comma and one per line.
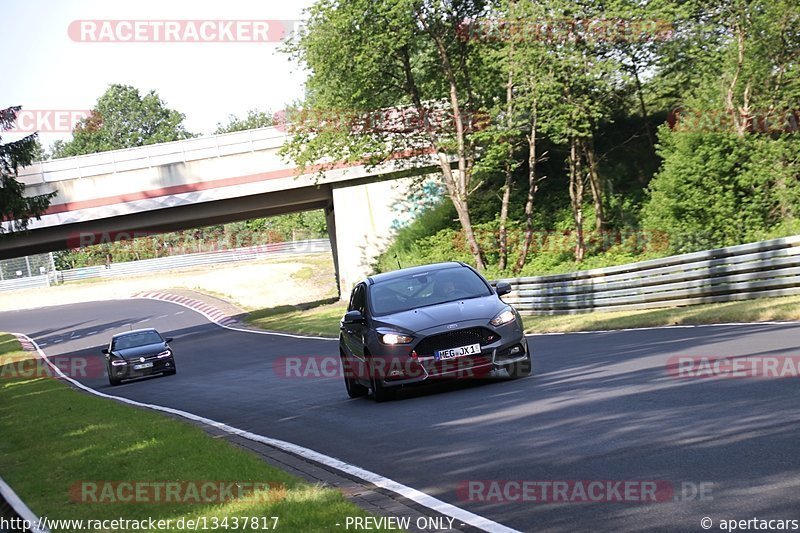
(113,381)
(379,392)
(522,368)
(354,388)
(172,371)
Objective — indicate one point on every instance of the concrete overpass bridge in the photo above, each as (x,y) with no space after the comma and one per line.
(213,180)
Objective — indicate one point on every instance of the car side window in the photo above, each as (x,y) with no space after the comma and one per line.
(358,301)
(351,306)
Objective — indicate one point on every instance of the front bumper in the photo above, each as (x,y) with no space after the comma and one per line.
(401,370)
(128,372)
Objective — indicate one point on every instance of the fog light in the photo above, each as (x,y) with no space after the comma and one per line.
(516,349)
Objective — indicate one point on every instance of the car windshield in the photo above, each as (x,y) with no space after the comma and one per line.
(140,338)
(426,288)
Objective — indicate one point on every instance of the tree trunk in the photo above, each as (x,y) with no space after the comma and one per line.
(456,185)
(533,187)
(740,123)
(595,184)
(642,106)
(576,196)
(509,168)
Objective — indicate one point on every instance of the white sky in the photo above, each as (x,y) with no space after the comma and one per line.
(44,69)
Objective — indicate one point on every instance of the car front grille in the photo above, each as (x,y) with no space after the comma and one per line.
(147,359)
(454,339)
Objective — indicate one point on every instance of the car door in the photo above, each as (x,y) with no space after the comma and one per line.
(353,334)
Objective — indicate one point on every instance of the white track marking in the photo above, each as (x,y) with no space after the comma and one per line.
(419,497)
(19,506)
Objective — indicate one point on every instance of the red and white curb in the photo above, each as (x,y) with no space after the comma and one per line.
(25,342)
(209,311)
(219,318)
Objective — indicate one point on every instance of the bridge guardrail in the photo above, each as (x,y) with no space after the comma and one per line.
(754,270)
(151,155)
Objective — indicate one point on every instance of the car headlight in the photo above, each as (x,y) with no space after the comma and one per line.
(165,353)
(395,338)
(504,318)
(119,362)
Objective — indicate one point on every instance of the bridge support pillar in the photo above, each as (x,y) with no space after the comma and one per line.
(330,222)
(364,217)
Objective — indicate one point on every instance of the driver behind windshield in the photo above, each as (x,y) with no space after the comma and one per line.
(446,288)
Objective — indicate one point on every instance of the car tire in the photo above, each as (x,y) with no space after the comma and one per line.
(113,381)
(379,393)
(353,387)
(521,369)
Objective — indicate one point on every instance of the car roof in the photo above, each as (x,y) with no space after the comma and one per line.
(142,330)
(386,276)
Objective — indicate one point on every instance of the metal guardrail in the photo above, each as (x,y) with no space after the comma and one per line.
(152,155)
(194,260)
(27,282)
(755,270)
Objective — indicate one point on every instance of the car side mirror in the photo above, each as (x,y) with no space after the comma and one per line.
(353,317)
(503,287)
(105,351)
(168,340)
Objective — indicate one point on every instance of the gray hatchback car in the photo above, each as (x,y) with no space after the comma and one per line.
(429,322)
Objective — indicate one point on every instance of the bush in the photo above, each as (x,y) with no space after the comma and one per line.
(720,189)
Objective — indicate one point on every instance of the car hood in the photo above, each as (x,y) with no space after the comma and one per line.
(415,320)
(141,351)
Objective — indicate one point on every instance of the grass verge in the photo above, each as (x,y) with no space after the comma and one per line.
(55,438)
(322,318)
(315,318)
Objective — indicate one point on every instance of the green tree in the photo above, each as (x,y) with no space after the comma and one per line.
(291,226)
(396,59)
(731,169)
(254,119)
(15,207)
(123,118)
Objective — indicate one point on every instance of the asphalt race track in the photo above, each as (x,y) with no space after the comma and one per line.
(600,406)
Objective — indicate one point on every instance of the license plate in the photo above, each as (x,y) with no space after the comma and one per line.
(461,351)
(142,366)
